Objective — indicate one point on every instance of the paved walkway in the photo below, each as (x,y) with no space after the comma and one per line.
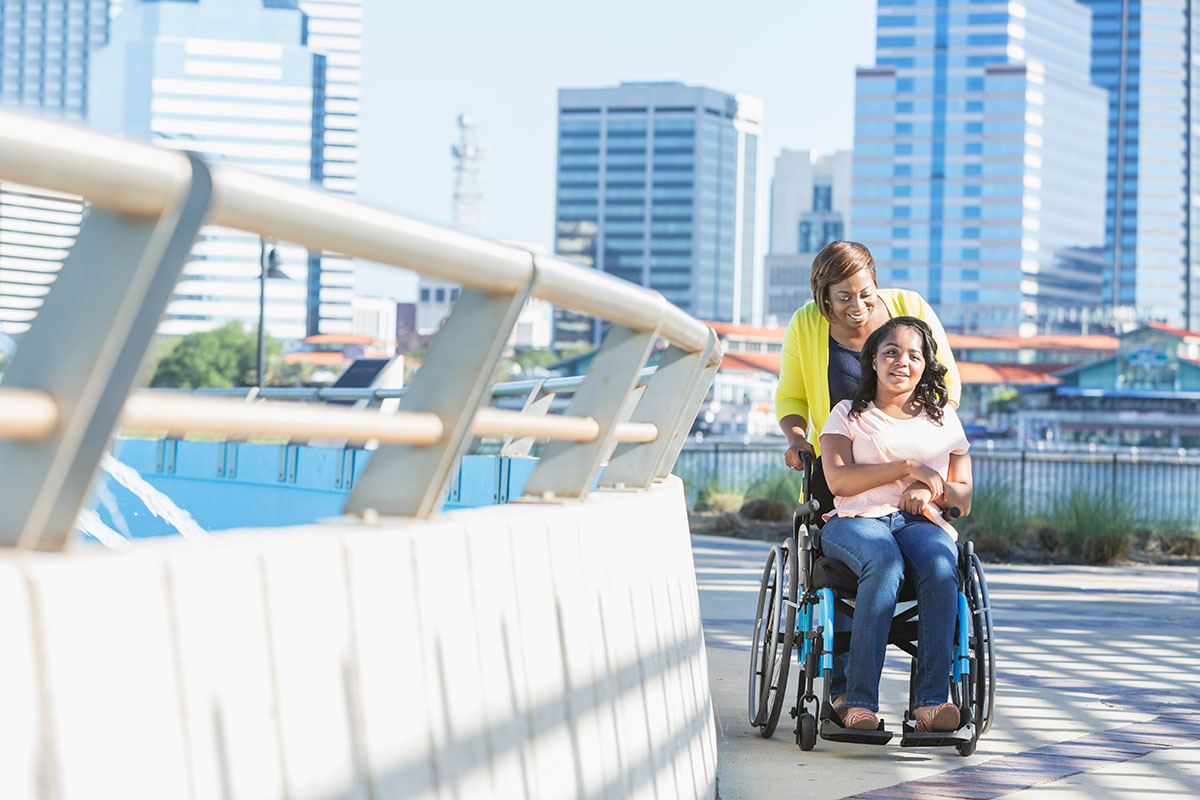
(1098,692)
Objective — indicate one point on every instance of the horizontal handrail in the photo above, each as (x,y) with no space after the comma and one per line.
(140,179)
(519,388)
(27,414)
(30,414)
(211,415)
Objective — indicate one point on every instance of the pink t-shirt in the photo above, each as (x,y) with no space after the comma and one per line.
(877,438)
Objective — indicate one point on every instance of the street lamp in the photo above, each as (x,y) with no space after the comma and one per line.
(268,262)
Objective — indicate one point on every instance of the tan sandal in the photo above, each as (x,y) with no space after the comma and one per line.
(937,719)
(863,719)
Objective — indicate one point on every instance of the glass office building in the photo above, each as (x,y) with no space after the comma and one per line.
(44,58)
(270,86)
(810,203)
(979,161)
(239,84)
(1144,55)
(656,185)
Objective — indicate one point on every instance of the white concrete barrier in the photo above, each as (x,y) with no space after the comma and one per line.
(527,650)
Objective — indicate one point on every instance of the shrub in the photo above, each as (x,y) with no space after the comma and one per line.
(1093,524)
(766,509)
(781,485)
(1179,535)
(995,524)
(729,522)
(716,500)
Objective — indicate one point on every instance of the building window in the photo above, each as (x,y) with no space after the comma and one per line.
(808,239)
(970,254)
(440,295)
(453,294)
(904,128)
(901,233)
(830,232)
(822,198)
(904,107)
(425,294)
(901,254)
(903,149)
(902,190)
(902,170)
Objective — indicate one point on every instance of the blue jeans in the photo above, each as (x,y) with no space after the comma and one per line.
(881,551)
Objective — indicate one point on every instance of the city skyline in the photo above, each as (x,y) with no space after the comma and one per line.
(504,68)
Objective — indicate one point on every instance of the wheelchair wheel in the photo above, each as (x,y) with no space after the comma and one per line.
(775,690)
(761,654)
(806,731)
(984,687)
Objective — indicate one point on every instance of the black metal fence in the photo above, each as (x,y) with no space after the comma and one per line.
(1158,484)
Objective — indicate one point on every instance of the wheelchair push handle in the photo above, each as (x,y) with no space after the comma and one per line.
(807,504)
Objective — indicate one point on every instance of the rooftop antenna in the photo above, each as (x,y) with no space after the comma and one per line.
(469,154)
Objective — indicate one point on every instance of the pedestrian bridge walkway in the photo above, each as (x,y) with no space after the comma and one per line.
(549,647)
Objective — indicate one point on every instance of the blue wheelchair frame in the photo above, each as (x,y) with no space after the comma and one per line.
(806,613)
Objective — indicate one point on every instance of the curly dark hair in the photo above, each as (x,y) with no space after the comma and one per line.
(931,390)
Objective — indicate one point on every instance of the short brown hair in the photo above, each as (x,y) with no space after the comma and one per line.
(836,262)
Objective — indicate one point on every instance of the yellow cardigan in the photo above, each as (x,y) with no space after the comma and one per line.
(804,369)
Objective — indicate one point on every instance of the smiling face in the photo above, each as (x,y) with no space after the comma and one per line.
(899,362)
(853,302)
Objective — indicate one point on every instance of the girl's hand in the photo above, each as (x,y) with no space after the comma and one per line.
(793,458)
(915,498)
(929,477)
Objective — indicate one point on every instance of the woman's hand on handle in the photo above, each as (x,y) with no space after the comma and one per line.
(794,455)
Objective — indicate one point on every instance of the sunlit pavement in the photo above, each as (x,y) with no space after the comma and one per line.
(1098,692)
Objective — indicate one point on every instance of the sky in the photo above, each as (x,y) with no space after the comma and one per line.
(502,63)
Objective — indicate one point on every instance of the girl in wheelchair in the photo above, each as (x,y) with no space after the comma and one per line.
(895,457)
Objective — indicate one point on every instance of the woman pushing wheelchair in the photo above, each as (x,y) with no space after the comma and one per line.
(895,458)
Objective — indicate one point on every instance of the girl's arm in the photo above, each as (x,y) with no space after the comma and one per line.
(959,484)
(845,478)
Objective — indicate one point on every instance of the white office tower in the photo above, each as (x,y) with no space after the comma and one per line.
(44,54)
(237,83)
(435,297)
(810,206)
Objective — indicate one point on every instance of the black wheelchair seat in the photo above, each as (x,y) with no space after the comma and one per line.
(828,572)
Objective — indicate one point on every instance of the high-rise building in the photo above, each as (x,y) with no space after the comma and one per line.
(269,86)
(810,206)
(44,68)
(1146,55)
(237,83)
(979,160)
(656,185)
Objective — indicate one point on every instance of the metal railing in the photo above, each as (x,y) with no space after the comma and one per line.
(68,385)
(1158,485)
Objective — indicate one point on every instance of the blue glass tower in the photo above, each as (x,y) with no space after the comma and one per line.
(979,161)
(1144,56)
(656,185)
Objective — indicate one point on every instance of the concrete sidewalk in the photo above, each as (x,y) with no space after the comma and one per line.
(1098,692)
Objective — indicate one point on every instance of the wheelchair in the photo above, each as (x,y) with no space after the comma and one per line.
(799,592)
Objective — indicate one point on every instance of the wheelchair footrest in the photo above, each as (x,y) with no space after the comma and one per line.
(910,737)
(833,730)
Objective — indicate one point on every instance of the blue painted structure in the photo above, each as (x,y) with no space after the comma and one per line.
(234,484)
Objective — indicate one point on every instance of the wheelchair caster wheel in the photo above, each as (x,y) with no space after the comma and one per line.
(966,748)
(806,731)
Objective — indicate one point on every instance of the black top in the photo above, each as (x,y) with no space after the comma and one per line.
(844,372)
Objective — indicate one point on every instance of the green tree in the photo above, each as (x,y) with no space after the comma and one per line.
(224,357)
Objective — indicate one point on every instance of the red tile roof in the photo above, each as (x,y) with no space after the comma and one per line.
(1162,326)
(751,362)
(974,372)
(1048,341)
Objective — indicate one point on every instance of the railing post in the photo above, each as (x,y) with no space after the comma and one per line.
(537,404)
(85,349)
(567,469)
(671,401)
(454,382)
